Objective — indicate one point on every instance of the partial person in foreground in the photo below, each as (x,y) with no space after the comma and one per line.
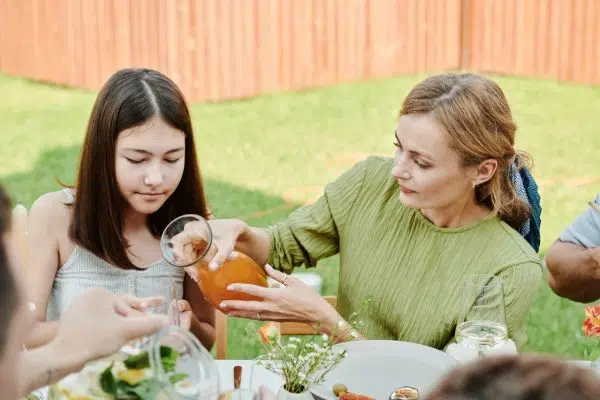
(94,326)
(409,229)
(522,377)
(574,259)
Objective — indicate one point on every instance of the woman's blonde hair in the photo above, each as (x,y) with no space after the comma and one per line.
(474,113)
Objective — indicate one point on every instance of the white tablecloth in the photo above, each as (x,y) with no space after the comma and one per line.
(251,377)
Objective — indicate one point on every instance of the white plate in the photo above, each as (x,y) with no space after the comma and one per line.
(377,367)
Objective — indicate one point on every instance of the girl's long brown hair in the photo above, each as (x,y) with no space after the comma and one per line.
(474,113)
(10,295)
(129,98)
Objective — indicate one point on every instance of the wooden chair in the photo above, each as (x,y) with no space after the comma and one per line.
(221,335)
(286,328)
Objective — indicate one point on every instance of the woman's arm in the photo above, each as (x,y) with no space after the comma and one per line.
(203,319)
(313,232)
(47,217)
(309,234)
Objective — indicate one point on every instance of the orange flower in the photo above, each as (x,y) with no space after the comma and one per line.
(269,333)
(591,324)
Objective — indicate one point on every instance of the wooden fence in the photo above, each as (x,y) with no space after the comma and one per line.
(226,49)
(556,39)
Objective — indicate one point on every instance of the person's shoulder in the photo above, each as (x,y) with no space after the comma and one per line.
(377,164)
(375,169)
(585,229)
(372,170)
(513,246)
(52,210)
(364,171)
(373,163)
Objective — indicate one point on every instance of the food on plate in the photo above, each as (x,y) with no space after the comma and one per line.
(339,388)
(405,393)
(131,379)
(354,396)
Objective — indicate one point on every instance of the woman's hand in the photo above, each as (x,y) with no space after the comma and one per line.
(192,240)
(226,233)
(295,301)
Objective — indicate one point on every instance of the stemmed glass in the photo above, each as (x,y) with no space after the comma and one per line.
(482,325)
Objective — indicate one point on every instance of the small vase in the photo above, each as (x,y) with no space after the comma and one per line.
(283,394)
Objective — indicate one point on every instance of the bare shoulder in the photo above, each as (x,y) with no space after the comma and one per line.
(51,211)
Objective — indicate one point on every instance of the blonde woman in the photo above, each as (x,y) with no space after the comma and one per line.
(408,229)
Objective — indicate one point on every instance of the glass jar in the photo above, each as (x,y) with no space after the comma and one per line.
(196,249)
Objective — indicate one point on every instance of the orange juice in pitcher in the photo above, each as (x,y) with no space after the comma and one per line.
(187,242)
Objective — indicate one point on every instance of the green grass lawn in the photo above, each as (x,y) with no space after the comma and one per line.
(263,157)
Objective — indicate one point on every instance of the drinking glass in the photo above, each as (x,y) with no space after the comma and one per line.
(188,242)
(166,289)
(482,325)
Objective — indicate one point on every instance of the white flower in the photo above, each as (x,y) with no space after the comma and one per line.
(292,346)
(325,337)
(295,340)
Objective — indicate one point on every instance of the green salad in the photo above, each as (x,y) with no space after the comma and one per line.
(129,379)
(133,382)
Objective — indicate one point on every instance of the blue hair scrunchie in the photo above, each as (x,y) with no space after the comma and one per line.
(527,190)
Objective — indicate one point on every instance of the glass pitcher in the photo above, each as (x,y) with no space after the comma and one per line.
(173,366)
(198,250)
